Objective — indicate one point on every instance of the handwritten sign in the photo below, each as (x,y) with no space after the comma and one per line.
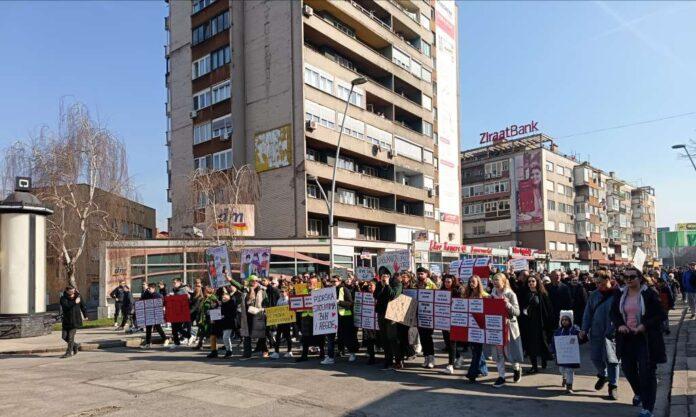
(567,350)
(479,320)
(215,314)
(402,310)
(393,262)
(365,273)
(279,315)
(324,307)
(149,312)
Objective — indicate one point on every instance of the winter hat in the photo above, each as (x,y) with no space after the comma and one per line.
(568,314)
(252,278)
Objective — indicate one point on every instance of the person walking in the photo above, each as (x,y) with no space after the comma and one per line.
(454,358)
(474,289)
(579,296)
(689,287)
(560,296)
(207,326)
(151,293)
(181,332)
(126,307)
(426,334)
(283,331)
(567,328)
(638,317)
(117,295)
(388,289)
(598,328)
(73,313)
(253,318)
(537,311)
(512,351)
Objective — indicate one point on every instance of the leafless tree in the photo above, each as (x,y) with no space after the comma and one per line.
(79,171)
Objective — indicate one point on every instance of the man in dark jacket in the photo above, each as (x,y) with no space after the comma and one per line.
(388,288)
(117,295)
(579,297)
(152,293)
(181,332)
(126,306)
(560,295)
(73,312)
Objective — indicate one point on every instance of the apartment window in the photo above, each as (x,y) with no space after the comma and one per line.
(550,205)
(201,133)
(313,191)
(561,227)
(345,196)
(549,166)
(222,126)
(220,57)
(320,114)
(570,228)
(356,98)
(571,247)
(549,185)
(495,187)
(428,210)
(346,163)
(371,202)
(201,163)
(379,137)
(401,58)
(427,129)
(473,209)
(311,155)
(221,91)
(427,156)
(319,79)
(426,75)
(201,99)
(200,67)
(199,5)
(495,169)
(559,170)
(425,21)
(473,190)
(416,68)
(408,149)
(479,230)
(368,170)
(219,23)
(427,102)
(562,246)
(552,245)
(550,225)
(371,232)
(569,191)
(560,188)
(425,48)
(314,227)
(222,160)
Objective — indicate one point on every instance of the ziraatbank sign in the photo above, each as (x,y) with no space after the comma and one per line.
(509,132)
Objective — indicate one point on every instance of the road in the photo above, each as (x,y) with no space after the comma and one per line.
(132,382)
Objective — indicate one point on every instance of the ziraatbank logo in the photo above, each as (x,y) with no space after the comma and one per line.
(509,132)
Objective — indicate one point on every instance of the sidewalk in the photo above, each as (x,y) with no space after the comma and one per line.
(683,389)
(89,339)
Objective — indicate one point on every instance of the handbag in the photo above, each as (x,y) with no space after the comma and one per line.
(253,310)
(610,348)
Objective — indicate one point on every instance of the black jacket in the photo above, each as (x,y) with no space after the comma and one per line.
(560,298)
(72,312)
(147,295)
(128,302)
(347,302)
(536,321)
(652,319)
(117,294)
(385,293)
(229,314)
(579,296)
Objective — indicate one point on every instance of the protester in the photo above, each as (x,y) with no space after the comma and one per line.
(253,318)
(162,288)
(307,327)
(73,311)
(370,337)
(426,334)
(513,349)
(283,331)
(638,317)
(126,307)
(578,294)
(597,324)
(117,295)
(567,328)
(666,302)
(474,289)
(207,327)
(689,287)
(347,336)
(560,296)
(536,320)
(388,289)
(454,357)
(181,332)
(149,294)
(228,309)
(196,298)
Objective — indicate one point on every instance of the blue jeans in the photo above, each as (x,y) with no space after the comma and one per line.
(331,345)
(608,370)
(478,362)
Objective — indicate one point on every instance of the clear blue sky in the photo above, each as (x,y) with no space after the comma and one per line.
(572,66)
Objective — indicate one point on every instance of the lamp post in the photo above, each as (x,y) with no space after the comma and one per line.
(682,146)
(357,81)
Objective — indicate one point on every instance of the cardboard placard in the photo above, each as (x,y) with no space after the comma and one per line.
(279,315)
(365,273)
(176,309)
(567,350)
(149,312)
(394,261)
(325,309)
(403,310)
(215,314)
(485,321)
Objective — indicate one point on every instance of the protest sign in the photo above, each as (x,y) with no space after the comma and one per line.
(364,315)
(638,259)
(365,273)
(177,309)
(218,263)
(215,314)
(279,315)
(519,264)
(394,261)
(567,350)
(300,302)
(149,312)
(301,289)
(325,309)
(482,269)
(255,261)
(479,320)
(462,269)
(434,309)
(403,310)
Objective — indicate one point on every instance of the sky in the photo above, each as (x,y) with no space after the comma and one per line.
(573,67)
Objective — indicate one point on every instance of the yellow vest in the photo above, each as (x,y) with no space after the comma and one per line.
(343,311)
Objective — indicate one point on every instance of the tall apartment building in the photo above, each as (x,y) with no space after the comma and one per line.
(643,220)
(591,218)
(266,83)
(620,213)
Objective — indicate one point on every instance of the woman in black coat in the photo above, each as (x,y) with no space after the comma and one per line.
(73,311)
(537,311)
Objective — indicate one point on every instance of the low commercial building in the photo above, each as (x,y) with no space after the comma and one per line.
(677,247)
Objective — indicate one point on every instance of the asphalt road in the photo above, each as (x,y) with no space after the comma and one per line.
(132,382)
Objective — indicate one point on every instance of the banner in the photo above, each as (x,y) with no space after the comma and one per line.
(176,309)
(530,201)
(365,273)
(479,320)
(394,262)
(325,308)
(279,315)
(255,261)
(404,310)
(218,263)
(434,309)
(364,315)
(149,312)
(231,220)
(567,350)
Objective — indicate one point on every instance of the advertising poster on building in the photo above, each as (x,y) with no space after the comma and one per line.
(217,261)
(255,261)
(325,309)
(391,262)
(228,220)
(530,196)
(479,320)
(176,309)
(273,148)
(149,312)
(364,273)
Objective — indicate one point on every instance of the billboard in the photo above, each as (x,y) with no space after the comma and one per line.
(686,226)
(530,196)
(230,219)
(273,148)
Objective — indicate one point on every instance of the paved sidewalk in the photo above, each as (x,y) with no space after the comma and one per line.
(683,389)
(90,339)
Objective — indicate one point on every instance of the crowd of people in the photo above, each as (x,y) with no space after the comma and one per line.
(620,313)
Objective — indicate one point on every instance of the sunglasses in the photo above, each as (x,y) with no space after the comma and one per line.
(630,277)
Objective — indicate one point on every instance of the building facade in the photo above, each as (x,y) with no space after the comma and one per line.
(677,247)
(267,84)
(643,220)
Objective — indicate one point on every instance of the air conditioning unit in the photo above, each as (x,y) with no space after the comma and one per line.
(193,114)
(307,11)
(570,179)
(226,136)
(310,125)
(390,154)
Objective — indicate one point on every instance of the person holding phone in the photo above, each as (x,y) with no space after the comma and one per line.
(73,313)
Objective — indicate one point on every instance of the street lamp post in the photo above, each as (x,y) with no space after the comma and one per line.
(357,81)
(682,146)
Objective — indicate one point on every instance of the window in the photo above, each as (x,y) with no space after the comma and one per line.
(549,166)
(201,133)
(220,57)
(371,202)
(222,126)
(313,191)
(371,232)
(472,190)
(550,225)
(311,155)
(353,127)
(201,163)
(200,67)
(379,137)
(199,5)
(561,227)
(319,79)
(221,91)
(473,209)
(408,149)
(427,156)
(356,98)
(346,163)
(496,187)
(495,169)
(320,114)
(201,99)
(548,185)
(401,58)
(428,183)
(427,102)
(314,227)
(426,75)
(551,205)
(479,230)
(368,170)
(211,28)
(222,160)
(345,196)
(569,191)
(428,210)
(425,21)
(552,245)
(427,129)
(560,188)
(559,170)
(571,247)
(425,48)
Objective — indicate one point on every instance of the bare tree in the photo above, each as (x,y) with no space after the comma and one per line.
(79,171)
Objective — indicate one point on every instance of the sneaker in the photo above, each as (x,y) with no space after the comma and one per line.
(499,383)
(212,354)
(431,362)
(459,363)
(352,357)
(517,376)
(228,353)
(613,392)
(275,355)
(426,361)
(601,381)
(115,324)
(449,370)
(118,329)
(636,400)
(288,355)
(569,388)
(327,361)
(645,413)
(145,346)
(183,342)
(166,342)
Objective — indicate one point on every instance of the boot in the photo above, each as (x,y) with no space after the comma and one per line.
(68,352)
(76,348)
(613,392)
(212,354)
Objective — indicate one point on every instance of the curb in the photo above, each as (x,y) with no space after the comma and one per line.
(132,342)
(666,374)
